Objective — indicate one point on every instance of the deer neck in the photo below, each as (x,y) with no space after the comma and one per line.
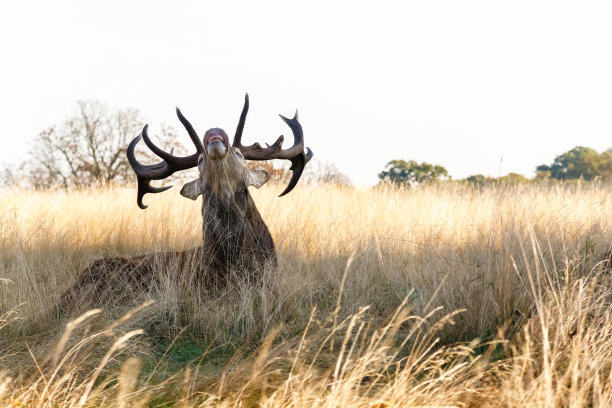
(223,178)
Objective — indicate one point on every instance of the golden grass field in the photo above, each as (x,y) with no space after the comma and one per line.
(433,296)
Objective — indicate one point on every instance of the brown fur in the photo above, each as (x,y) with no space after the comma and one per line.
(122,281)
(233,232)
(236,242)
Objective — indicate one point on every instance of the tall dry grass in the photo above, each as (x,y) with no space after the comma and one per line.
(440,295)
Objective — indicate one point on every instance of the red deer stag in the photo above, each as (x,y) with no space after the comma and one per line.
(235,237)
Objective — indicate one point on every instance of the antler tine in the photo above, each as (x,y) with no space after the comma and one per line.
(298,136)
(192,133)
(161,170)
(154,172)
(255,151)
(238,135)
(144,187)
(295,153)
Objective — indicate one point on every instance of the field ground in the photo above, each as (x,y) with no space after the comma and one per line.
(434,296)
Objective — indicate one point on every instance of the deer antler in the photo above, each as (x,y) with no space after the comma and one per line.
(295,153)
(165,168)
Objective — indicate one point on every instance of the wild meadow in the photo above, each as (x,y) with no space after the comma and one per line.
(442,295)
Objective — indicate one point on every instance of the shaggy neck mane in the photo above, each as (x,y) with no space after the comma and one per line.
(223,177)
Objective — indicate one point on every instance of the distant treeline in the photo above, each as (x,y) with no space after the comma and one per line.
(579,163)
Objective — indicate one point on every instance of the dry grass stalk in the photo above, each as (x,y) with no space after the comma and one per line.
(431,269)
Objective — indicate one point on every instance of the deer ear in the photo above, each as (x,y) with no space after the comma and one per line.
(257,178)
(192,189)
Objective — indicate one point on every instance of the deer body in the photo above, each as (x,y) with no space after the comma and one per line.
(236,240)
(234,233)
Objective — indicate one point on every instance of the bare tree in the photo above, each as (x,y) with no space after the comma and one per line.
(318,172)
(87,148)
(278,171)
(326,173)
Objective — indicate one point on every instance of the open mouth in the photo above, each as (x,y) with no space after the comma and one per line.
(215,146)
(214,138)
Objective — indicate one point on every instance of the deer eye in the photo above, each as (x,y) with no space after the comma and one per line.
(239,154)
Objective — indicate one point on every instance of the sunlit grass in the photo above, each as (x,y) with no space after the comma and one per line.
(439,295)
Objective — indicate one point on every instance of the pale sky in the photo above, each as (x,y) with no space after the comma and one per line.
(477,86)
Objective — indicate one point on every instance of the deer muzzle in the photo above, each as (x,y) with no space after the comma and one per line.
(216,149)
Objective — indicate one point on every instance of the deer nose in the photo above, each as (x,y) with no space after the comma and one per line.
(215,149)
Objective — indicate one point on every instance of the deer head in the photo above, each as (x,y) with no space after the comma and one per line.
(221,166)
